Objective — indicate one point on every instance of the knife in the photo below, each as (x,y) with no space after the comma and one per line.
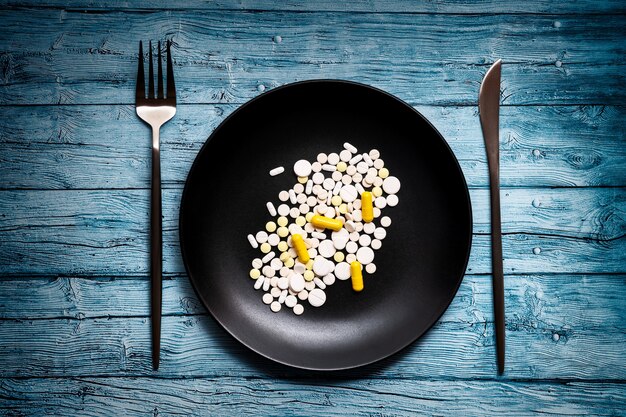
(489,109)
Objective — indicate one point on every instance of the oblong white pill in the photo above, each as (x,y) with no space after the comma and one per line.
(258,283)
(283,295)
(293,197)
(318,235)
(267,298)
(350,147)
(319,283)
(277,171)
(368,160)
(309,187)
(268,257)
(302,168)
(338,185)
(266,284)
(365,255)
(270,208)
(317,297)
(356,159)
(342,271)
(253,241)
(391,185)
(329,168)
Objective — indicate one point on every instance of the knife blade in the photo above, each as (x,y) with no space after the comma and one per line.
(489,111)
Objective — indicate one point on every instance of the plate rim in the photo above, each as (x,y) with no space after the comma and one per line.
(463,271)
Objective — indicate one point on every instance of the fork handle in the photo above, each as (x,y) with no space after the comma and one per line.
(156,260)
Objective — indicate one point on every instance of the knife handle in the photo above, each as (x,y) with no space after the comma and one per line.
(156,262)
(496,262)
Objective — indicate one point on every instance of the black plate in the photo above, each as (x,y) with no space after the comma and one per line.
(420,265)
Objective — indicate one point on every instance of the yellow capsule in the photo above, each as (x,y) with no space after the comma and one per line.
(357,276)
(270,227)
(309,265)
(308,275)
(322,222)
(300,221)
(266,247)
(342,166)
(300,246)
(377,191)
(282,231)
(289,263)
(336,201)
(367,208)
(282,221)
(255,273)
(303,180)
(283,246)
(339,257)
(309,216)
(383,173)
(284,256)
(343,208)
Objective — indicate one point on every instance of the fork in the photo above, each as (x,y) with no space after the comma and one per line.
(155,111)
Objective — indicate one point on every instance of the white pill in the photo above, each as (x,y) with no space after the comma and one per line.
(329,184)
(261,237)
(257,263)
(317,178)
(351,170)
(313,242)
(302,168)
(329,168)
(354,236)
(296,282)
(380,233)
(370,268)
(317,297)
(275,292)
(364,240)
(298,188)
(345,155)
(378,182)
(298,309)
(309,187)
(392,200)
(309,228)
(276,264)
(322,194)
(283,210)
(359,227)
(365,255)
(268,257)
(361,168)
(348,193)
(322,158)
(302,295)
(270,208)
(283,283)
(293,197)
(316,167)
(352,247)
(369,228)
(273,239)
(268,271)
(349,225)
(284,271)
(318,235)
(266,284)
(351,257)
(258,283)
(299,268)
(283,196)
(294,212)
(319,283)
(357,216)
(377,212)
(374,154)
(283,296)
(342,271)
(275,306)
(274,281)
(333,158)
(311,201)
(372,172)
(356,159)
(276,171)
(346,179)
(301,198)
(304,208)
(380,202)
(326,249)
(350,147)
(322,266)
(368,180)
(391,185)
(253,241)
(329,279)
(379,163)
(368,160)
(340,239)
(309,286)
(291,301)
(385,221)
(359,188)
(338,185)
(267,298)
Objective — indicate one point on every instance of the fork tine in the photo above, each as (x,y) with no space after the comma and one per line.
(159,74)
(150,75)
(140,92)
(171,88)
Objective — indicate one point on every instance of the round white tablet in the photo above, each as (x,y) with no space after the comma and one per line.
(340,239)
(374,154)
(351,257)
(370,268)
(348,193)
(291,301)
(385,221)
(302,168)
(275,306)
(361,168)
(365,255)
(369,228)
(329,279)
(376,244)
(345,155)
(364,240)
(283,196)
(261,236)
(333,159)
(296,282)
(351,247)
(392,200)
(257,263)
(380,202)
(317,297)
(283,210)
(326,248)
(391,185)
(342,271)
(322,158)
(380,233)
(322,266)
(298,309)
(318,178)
(267,298)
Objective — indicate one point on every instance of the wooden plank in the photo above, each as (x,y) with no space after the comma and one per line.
(395,6)
(196,347)
(335,397)
(52,147)
(106,232)
(536,300)
(579,62)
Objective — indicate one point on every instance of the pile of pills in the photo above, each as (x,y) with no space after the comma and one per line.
(326,227)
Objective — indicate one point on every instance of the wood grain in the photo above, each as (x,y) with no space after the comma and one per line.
(61,147)
(395,6)
(364,397)
(228,57)
(105,232)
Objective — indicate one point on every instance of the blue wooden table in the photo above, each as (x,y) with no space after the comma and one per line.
(74,203)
